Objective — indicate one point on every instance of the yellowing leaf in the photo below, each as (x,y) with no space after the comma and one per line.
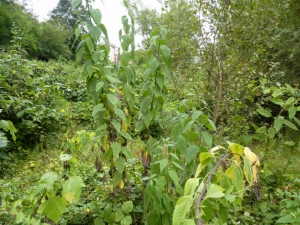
(237,151)
(121,185)
(72,188)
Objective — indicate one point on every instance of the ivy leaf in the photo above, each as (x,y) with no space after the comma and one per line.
(264,112)
(72,188)
(53,208)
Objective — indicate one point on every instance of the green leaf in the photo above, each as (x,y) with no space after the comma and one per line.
(154,64)
(96,15)
(163,32)
(162,164)
(147,118)
(116,125)
(278,124)
(48,179)
(214,191)
(120,164)
(119,215)
(289,143)
(98,108)
(222,215)
(191,185)
(292,112)
(127,220)
(72,189)
(99,221)
(90,44)
(247,170)
(276,93)
(116,146)
(53,208)
(271,132)
(117,178)
(289,124)
(112,99)
(127,207)
(207,137)
(166,52)
(126,135)
(264,112)
(182,145)
(76,3)
(173,175)
(192,153)
(120,113)
(290,101)
(285,219)
(99,86)
(182,207)
(277,101)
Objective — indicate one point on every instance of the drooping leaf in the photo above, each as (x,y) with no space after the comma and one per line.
(207,137)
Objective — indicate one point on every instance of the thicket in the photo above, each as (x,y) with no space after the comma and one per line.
(161,137)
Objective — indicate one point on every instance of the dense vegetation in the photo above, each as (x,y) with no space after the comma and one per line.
(200,125)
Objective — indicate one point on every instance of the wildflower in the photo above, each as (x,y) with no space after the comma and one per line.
(62,110)
(13,72)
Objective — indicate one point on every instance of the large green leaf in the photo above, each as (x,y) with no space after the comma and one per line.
(96,15)
(214,191)
(191,185)
(127,207)
(182,145)
(182,207)
(264,112)
(289,124)
(48,179)
(72,189)
(76,3)
(147,118)
(112,99)
(207,137)
(192,153)
(53,208)
(120,164)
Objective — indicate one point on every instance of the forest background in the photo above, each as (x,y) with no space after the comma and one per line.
(88,141)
